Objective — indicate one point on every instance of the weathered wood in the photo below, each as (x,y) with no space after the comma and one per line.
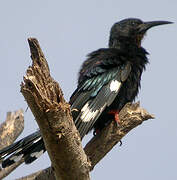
(52,113)
(10,129)
(131,116)
(46,174)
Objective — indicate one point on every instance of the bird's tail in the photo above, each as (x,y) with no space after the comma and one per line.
(28,148)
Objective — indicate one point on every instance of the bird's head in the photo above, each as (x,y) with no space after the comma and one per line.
(131,31)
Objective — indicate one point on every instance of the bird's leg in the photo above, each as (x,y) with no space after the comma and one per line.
(116,119)
(116,116)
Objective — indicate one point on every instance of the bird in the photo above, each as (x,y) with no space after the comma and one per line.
(108,79)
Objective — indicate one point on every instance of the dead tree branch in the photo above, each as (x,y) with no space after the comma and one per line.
(9,131)
(11,128)
(131,116)
(45,174)
(52,113)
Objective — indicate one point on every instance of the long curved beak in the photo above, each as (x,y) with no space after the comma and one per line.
(147,25)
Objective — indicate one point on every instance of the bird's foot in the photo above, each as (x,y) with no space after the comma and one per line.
(116,119)
(116,116)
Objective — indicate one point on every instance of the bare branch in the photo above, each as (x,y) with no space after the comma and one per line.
(53,116)
(44,174)
(130,116)
(6,171)
(11,128)
(9,131)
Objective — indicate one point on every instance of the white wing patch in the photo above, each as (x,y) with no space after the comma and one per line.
(16,158)
(37,154)
(114,85)
(87,113)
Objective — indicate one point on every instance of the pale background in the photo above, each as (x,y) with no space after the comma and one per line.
(67,31)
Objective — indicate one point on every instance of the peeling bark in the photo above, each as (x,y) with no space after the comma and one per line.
(131,116)
(52,113)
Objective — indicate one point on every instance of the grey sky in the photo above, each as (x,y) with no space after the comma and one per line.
(67,31)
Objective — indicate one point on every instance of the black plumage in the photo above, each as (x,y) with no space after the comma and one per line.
(94,95)
(108,79)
